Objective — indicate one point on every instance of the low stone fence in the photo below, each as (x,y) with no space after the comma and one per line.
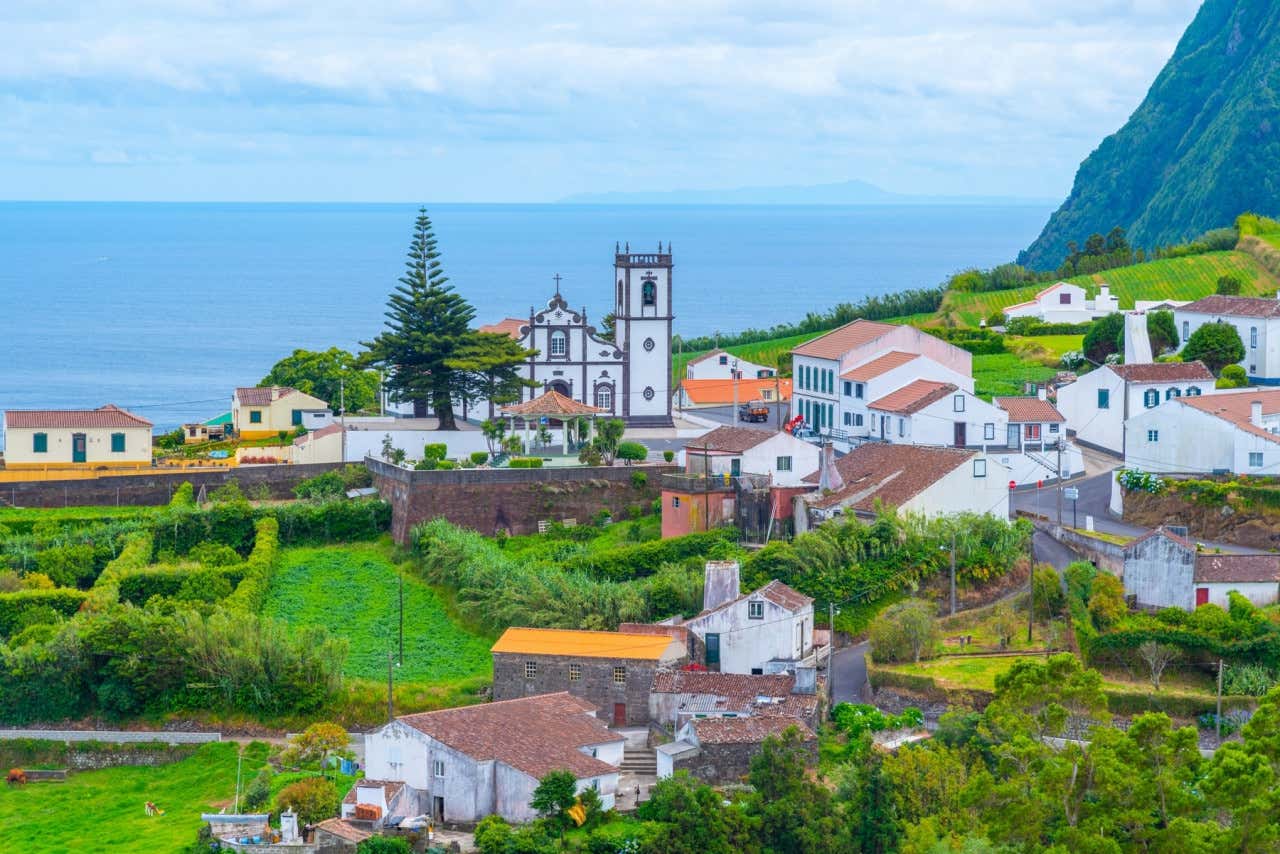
(1104,555)
(111,736)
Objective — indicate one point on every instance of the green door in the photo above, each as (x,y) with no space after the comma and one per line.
(713,651)
(78,445)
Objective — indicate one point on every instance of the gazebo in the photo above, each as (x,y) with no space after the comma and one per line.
(553,406)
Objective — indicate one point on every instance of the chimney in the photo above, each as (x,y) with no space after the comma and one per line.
(806,681)
(1255,413)
(1042,392)
(275,392)
(721,583)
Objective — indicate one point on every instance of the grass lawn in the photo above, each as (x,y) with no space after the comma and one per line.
(105,810)
(354,592)
(761,352)
(1003,374)
(963,671)
(1114,539)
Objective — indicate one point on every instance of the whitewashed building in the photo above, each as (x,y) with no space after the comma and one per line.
(736,451)
(470,762)
(818,366)
(927,412)
(1257,321)
(721,365)
(1232,431)
(876,378)
(1066,303)
(1163,569)
(1098,404)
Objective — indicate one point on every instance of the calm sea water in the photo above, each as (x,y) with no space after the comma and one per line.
(165,308)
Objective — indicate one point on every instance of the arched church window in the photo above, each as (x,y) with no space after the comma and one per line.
(559,343)
(649,293)
(604,397)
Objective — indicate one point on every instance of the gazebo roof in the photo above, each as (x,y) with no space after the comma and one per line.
(553,404)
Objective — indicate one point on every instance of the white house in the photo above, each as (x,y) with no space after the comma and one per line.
(1066,303)
(875,378)
(258,412)
(1256,320)
(720,365)
(818,366)
(470,762)
(1036,434)
(741,450)
(1163,569)
(927,412)
(913,478)
(1098,404)
(106,437)
(1231,431)
(765,631)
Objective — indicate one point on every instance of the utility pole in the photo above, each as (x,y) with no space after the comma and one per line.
(831,652)
(1059,482)
(777,397)
(342,414)
(953,573)
(239,760)
(1031,588)
(391,715)
(734,367)
(1217,719)
(401,575)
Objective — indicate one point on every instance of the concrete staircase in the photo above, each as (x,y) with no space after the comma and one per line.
(641,761)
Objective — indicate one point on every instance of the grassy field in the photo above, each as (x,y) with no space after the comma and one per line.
(1173,278)
(1003,374)
(105,810)
(354,592)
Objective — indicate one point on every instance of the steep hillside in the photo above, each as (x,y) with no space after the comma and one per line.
(1200,148)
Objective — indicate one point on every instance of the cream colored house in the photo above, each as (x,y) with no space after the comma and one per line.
(76,438)
(257,413)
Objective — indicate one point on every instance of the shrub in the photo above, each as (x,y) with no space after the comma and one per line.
(425,465)
(639,479)
(1106,601)
(525,463)
(1135,480)
(330,484)
(313,799)
(1215,344)
(1229,284)
(384,845)
(258,792)
(1049,598)
(446,464)
(435,451)
(479,457)
(183,496)
(668,456)
(906,631)
(214,554)
(14,607)
(1232,376)
(68,566)
(632,452)
(1253,680)
(258,569)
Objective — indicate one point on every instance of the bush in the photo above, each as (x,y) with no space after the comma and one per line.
(637,561)
(435,451)
(445,465)
(1049,599)
(252,590)
(639,479)
(313,799)
(14,607)
(479,457)
(632,452)
(330,484)
(1232,376)
(1229,284)
(907,631)
(384,845)
(668,456)
(1215,344)
(331,521)
(214,554)
(525,463)
(1106,601)
(183,496)
(68,566)
(1253,680)
(258,792)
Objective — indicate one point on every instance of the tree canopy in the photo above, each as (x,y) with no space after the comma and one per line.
(1215,344)
(332,375)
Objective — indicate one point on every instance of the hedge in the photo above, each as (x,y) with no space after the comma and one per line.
(258,569)
(1184,706)
(342,521)
(525,463)
(140,585)
(65,600)
(627,562)
(135,555)
(30,752)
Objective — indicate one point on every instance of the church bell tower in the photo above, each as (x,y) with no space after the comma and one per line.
(642,303)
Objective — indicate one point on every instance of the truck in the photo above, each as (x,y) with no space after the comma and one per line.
(756,410)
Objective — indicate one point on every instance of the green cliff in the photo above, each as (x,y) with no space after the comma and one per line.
(1201,148)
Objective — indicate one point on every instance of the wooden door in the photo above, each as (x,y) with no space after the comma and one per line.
(78,448)
(960,437)
(1202,596)
(619,714)
(713,650)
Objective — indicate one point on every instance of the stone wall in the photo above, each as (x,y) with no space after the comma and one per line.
(89,756)
(511,500)
(595,685)
(155,487)
(720,764)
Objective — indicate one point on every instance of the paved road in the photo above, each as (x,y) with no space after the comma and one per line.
(849,672)
(1045,549)
(726,415)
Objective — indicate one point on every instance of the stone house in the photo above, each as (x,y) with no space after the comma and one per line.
(612,671)
(466,763)
(765,631)
(719,750)
(1163,569)
(680,696)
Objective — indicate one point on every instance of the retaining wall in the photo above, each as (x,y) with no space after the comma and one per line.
(112,736)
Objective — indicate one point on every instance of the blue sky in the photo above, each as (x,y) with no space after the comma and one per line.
(406,100)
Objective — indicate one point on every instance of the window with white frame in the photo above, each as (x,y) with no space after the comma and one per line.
(437,767)
(1193,391)
(1053,426)
(979,468)
(1031,432)
(575,672)
(988,432)
(783,464)
(530,669)
(1150,398)
(848,419)
(559,343)
(857,420)
(1186,331)
(957,403)
(1153,435)
(1171,393)
(755,610)
(604,397)
(1253,338)
(619,676)
(1255,459)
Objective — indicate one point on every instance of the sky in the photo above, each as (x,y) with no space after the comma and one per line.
(408,100)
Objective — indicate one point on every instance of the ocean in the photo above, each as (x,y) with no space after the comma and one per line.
(165,308)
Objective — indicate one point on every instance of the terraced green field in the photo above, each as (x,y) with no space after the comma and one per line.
(1172,278)
(761,352)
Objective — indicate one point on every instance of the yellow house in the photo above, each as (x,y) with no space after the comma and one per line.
(257,413)
(76,438)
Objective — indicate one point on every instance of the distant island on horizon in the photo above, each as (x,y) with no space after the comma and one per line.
(851,192)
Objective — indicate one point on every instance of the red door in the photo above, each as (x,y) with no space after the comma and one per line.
(619,714)
(1202,596)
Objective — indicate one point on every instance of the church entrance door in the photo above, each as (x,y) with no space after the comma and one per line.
(559,386)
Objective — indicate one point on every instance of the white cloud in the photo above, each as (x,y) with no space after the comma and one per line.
(862,89)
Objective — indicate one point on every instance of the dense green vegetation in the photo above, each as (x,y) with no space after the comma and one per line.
(1195,153)
(103,811)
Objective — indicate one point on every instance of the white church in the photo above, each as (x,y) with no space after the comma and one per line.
(629,378)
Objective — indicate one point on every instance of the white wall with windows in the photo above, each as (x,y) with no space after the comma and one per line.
(1098,404)
(960,419)
(1260,336)
(1183,440)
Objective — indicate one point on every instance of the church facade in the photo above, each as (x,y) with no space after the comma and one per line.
(628,378)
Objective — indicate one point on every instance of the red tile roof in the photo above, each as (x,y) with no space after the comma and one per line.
(879,365)
(739,690)
(1236,306)
(913,397)
(551,403)
(746,730)
(1161,532)
(892,474)
(535,735)
(1236,407)
(1232,568)
(1024,410)
(512,326)
(839,341)
(1163,372)
(104,416)
(262,395)
(720,391)
(730,440)
(344,830)
(775,591)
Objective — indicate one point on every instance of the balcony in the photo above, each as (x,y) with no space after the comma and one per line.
(698,484)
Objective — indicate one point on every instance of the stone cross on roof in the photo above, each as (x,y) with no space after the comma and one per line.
(557,278)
